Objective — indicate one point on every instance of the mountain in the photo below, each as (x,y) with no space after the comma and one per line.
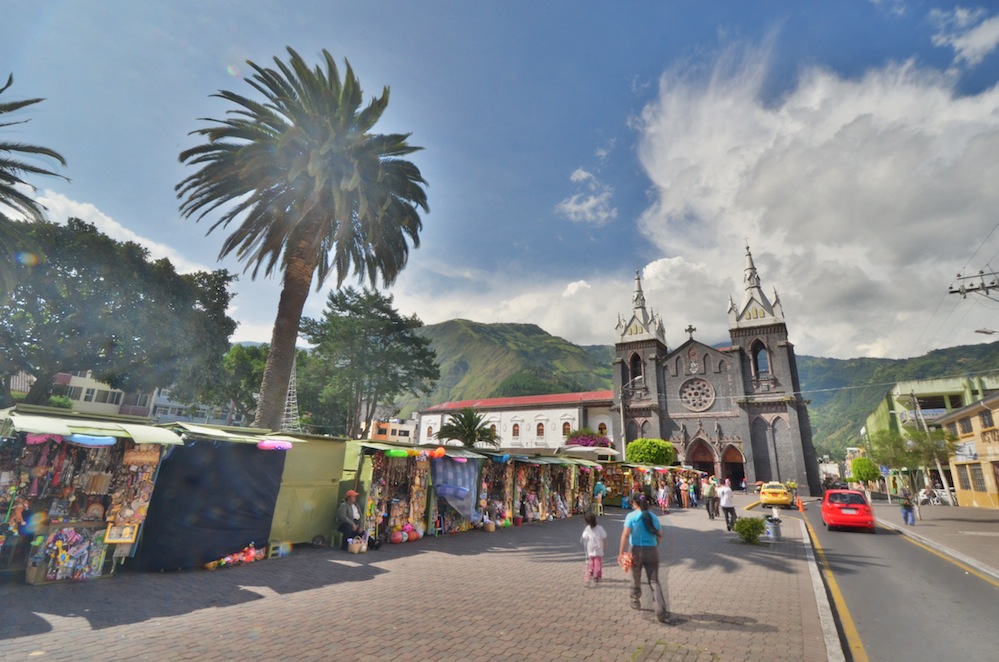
(502,360)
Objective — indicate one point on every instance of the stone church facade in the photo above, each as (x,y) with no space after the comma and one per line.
(734,412)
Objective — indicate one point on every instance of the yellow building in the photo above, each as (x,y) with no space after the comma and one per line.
(975,462)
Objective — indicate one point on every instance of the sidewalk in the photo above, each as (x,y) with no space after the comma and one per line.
(516,594)
(969,535)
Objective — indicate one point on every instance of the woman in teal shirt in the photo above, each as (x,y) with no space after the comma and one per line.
(642,531)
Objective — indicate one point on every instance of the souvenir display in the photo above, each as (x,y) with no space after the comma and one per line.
(496,497)
(71,496)
(395,510)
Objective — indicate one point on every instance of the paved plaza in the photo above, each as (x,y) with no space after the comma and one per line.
(516,594)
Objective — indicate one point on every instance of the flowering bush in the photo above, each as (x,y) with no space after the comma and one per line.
(590,440)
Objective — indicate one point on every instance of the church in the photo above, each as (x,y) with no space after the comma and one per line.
(736,411)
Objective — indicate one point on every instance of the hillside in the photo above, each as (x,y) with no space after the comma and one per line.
(500,360)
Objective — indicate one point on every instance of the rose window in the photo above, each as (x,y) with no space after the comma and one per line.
(697,394)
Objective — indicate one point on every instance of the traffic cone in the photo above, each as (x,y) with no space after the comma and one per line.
(801,505)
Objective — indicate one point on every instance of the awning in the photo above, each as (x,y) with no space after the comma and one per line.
(65,426)
(218,434)
(585,463)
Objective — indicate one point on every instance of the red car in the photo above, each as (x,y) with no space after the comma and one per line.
(847,509)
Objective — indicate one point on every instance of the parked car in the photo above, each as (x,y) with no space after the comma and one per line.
(848,509)
(775,494)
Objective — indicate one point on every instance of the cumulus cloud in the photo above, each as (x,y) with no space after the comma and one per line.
(592,206)
(861,198)
(969,32)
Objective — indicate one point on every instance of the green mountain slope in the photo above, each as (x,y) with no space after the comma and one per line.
(502,360)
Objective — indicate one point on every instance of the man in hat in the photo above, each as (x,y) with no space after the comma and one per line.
(348,518)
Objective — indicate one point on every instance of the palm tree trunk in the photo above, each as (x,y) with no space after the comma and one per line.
(281,355)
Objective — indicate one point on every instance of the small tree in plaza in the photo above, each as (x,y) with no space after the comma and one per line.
(467,426)
(650,451)
(865,471)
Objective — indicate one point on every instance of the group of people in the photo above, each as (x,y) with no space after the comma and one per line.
(690,492)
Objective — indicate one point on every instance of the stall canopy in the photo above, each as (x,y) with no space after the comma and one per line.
(15,419)
(248,436)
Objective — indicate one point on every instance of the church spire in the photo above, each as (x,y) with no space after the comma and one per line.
(641,323)
(755,309)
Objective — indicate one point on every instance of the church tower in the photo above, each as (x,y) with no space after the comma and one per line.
(637,370)
(781,446)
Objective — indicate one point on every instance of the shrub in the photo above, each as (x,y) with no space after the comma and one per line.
(750,529)
(650,451)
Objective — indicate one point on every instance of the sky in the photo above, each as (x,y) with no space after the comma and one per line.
(854,147)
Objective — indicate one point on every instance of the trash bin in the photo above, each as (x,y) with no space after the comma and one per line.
(773,528)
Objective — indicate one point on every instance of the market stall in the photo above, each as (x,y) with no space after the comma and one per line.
(456,478)
(617,479)
(215,495)
(561,479)
(587,472)
(395,509)
(496,496)
(73,487)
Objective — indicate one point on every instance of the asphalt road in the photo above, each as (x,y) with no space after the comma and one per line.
(907,602)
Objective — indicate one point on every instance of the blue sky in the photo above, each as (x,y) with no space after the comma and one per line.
(569,144)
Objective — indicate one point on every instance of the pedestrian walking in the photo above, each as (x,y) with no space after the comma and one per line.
(744,490)
(692,488)
(662,496)
(727,505)
(593,539)
(908,512)
(708,492)
(640,538)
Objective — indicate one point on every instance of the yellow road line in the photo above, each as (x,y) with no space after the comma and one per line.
(960,565)
(853,641)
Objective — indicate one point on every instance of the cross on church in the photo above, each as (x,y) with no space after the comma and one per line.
(690,329)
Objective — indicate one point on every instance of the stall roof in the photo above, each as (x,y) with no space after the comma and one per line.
(67,425)
(450,451)
(585,463)
(251,436)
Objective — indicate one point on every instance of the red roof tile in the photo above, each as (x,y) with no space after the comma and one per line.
(551,400)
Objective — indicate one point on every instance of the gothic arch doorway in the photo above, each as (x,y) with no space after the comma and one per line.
(733,466)
(701,457)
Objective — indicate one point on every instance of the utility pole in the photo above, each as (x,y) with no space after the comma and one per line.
(982,286)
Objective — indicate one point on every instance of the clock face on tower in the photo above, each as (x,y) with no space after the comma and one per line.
(697,394)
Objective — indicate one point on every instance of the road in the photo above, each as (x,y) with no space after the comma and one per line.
(905,601)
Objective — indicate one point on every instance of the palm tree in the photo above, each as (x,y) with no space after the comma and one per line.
(467,427)
(312,189)
(12,171)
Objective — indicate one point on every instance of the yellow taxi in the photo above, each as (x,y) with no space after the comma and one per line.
(775,494)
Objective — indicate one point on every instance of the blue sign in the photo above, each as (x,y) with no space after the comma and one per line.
(885,470)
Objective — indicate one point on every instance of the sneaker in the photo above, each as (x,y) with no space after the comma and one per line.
(663,618)
(636,604)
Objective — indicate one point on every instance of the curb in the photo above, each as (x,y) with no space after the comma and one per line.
(943,549)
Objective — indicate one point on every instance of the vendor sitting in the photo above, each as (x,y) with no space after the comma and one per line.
(348,518)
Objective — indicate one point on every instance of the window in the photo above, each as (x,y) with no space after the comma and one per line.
(516,430)
(962,477)
(382,429)
(964,425)
(977,478)
(602,429)
(403,433)
(115,398)
(540,431)
(761,360)
(102,396)
(492,428)
(136,399)
(566,429)
(88,395)
(985,419)
(74,392)
(430,432)
(952,429)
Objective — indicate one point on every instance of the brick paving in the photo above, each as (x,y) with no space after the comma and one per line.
(516,594)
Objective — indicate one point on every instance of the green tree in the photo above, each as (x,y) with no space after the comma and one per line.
(467,426)
(98,304)
(313,190)
(243,367)
(650,451)
(367,355)
(864,471)
(13,169)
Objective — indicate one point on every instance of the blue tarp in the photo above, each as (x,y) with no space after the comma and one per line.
(456,483)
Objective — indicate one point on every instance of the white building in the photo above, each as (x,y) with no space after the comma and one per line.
(533,421)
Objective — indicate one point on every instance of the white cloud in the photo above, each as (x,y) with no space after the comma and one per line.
(860,198)
(60,208)
(968,32)
(591,207)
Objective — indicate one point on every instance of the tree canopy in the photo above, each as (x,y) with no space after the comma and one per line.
(365,355)
(314,192)
(94,303)
(468,426)
(650,451)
